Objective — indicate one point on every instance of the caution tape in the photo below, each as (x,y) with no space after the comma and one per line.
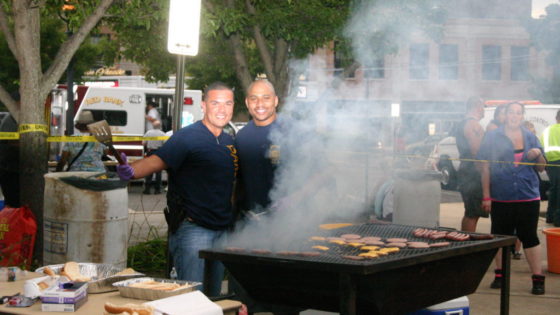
(484,161)
(26,128)
(9,135)
(16,136)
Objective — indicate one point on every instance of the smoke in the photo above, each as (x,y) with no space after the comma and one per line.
(336,143)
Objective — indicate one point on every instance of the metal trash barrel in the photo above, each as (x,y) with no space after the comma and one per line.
(417,195)
(84,225)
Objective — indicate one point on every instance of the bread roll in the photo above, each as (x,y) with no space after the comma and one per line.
(71,270)
(49,272)
(130,308)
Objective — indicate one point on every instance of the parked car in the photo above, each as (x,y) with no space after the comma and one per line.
(445,158)
(422,148)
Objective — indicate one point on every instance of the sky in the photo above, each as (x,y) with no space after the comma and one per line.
(539,5)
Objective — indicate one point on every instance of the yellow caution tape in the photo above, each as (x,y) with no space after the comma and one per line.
(71,139)
(92,138)
(475,160)
(9,135)
(25,128)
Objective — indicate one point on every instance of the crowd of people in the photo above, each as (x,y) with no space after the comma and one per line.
(498,177)
(214,179)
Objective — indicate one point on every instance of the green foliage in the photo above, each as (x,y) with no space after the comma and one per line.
(544,33)
(141,36)
(53,34)
(149,257)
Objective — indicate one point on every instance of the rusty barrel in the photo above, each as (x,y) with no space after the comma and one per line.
(84,223)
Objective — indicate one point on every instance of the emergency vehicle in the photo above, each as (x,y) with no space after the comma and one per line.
(124,108)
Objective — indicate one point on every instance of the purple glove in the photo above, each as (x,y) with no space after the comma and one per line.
(125,171)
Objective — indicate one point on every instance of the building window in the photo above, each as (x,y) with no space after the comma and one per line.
(448,62)
(342,59)
(491,62)
(519,63)
(375,69)
(419,59)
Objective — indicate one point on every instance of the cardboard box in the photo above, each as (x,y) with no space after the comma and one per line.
(63,307)
(65,293)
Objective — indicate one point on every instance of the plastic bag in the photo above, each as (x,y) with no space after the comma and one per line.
(18,229)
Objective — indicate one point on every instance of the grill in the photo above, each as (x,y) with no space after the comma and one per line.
(401,282)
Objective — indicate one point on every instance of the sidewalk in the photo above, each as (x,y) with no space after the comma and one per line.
(486,300)
(146,219)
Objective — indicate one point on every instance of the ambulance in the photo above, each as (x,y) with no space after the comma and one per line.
(124,108)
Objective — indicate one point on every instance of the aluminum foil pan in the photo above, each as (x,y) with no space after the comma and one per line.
(102,275)
(150,294)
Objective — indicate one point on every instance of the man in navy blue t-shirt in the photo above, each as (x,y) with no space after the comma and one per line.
(201,161)
(258,157)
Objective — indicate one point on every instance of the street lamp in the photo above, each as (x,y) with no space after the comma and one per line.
(182,40)
(67,8)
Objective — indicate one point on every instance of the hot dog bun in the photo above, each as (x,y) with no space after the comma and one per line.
(48,271)
(71,270)
(130,308)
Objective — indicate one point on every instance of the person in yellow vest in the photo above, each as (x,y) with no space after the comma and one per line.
(550,140)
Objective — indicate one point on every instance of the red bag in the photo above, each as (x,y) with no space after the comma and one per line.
(18,229)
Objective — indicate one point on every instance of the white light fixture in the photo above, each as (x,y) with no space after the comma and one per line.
(184,27)
(395,110)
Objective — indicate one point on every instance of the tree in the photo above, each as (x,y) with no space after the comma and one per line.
(20,24)
(544,33)
(276,30)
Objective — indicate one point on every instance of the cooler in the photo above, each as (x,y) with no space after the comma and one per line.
(458,306)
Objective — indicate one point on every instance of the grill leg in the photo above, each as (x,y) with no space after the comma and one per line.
(207,276)
(506,271)
(348,290)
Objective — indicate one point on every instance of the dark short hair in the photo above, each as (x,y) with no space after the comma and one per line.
(508,105)
(499,109)
(216,86)
(472,102)
(153,104)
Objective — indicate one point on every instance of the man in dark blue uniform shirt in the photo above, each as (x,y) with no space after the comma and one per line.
(258,157)
(201,162)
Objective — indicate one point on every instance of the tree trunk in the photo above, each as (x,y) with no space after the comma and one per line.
(33,145)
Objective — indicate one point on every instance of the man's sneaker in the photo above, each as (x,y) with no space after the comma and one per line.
(538,284)
(497,283)
(517,255)
(146,191)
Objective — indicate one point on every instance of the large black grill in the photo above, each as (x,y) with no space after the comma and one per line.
(400,282)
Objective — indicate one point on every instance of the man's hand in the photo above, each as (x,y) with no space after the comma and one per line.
(487,205)
(125,171)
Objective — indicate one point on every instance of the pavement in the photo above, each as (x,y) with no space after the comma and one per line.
(146,222)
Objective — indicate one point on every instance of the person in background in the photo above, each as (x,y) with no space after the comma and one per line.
(468,136)
(82,156)
(499,118)
(9,163)
(511,190)
(498,121)
(550,140)
(150,147)
(152,115)
(201,162)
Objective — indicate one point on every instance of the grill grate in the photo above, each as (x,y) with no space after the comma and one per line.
(336,252)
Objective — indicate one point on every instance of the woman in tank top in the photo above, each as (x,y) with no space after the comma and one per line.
(510,188)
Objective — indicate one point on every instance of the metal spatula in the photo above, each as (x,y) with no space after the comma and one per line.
(102,132)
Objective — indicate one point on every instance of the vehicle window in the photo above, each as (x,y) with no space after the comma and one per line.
(113,117)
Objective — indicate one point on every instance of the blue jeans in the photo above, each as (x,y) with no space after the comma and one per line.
(184,245)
